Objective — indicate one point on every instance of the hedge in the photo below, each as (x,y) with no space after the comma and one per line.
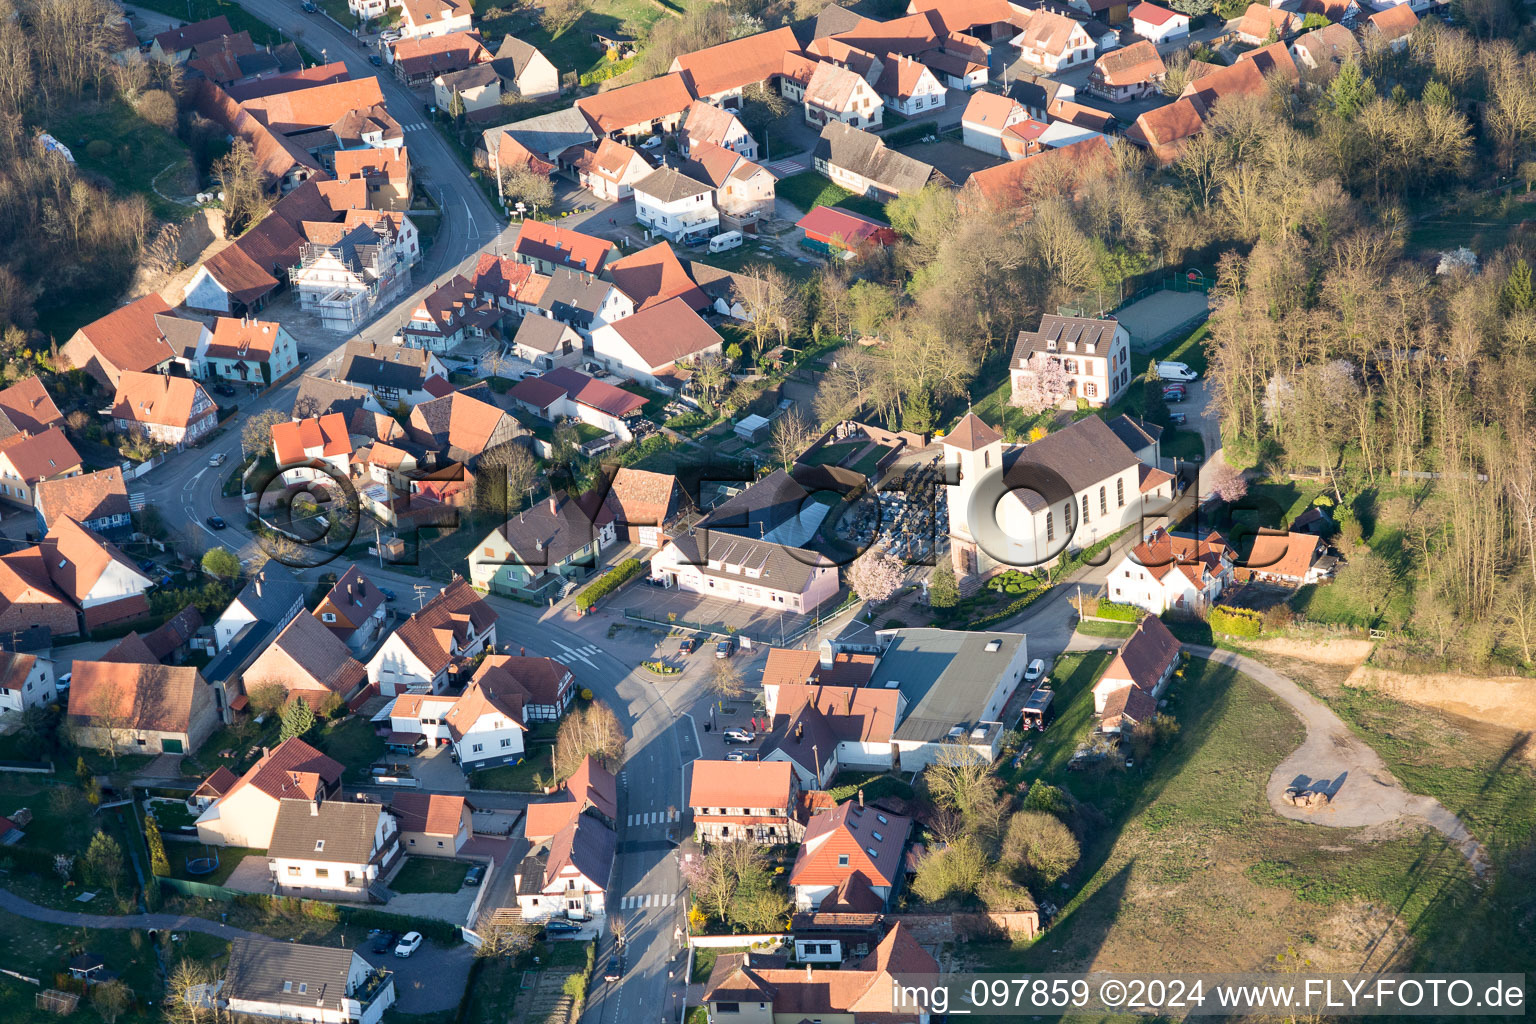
(607,71)
(1119,612)
(1235,621)
(608,582)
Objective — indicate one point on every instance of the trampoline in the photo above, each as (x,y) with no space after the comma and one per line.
(207,864)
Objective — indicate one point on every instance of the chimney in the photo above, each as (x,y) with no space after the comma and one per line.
(554,506)
(258,585)
(807,972)
(314,805)
(827,656)
(362,589)
(799,731)
(861,801)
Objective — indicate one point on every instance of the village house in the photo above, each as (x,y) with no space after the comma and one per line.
(104,583)
(97,501)
(545,136)
(27,408)
(564,393)
(139,708)
(337,847)
(1392,25)
(1158,24)
(418,60)
(289,981)
(746,570)
(1324,49)
(244,810)
(173,411)
(547,687)
(987,115)
(1053,41)
(861,163)
(26,681)
(128,338)
(434,17)
(836,95)
(1259,23)
(760,987)
(633,111)
(353,609)
(269,601)
(569,874)
(449,315)
(412,717)
(744,191)
(462,426)
(1167,573)
(1129,73)
(543,550)
(26,462)
(707,123)
(311,449)
(1144,439)
(745,801)
(476,88)
(486,723)
(28,597)
(385,172)
(1094,356)
(309,662)
(1290,559)
(432,824)
(176,45)
(719,74)
(653,275)
(591,789)
(675,206)
(850,844)
(548,248)
(394,373)
(1127,694)
(424,652)
(609,170)
(649,345)
(345,273)
(547,343)
(637,507)
(1062,493)
(583,300)
(250,351)
(1344,12)
(832,230)
(525,71)
(909,87)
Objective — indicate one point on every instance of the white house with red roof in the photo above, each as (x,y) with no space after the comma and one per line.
(579,397)
(909,87)
(1159,24)
(609,169)
(1166,572)
(649,345)
(454,626)
(1128,691)
(744,801)
(546,246)
(244,812)
(432,824)
(850,845)
(251,351)
(985,118)
(302,448)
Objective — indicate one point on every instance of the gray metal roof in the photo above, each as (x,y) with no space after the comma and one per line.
(548,135)
(945,674)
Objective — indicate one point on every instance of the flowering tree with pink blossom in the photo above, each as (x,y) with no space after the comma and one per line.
(1228,484)
(1042,385)
(877,576)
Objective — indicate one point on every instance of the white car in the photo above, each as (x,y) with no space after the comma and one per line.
(217,460)
(734,735)
(1035,671)
(63,681)
(410,942)
(651,143)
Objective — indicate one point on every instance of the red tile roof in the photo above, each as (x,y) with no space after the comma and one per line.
(665,333)
(655,275)
(436,814)
(737,63)
(851,830)
(749,784)
(329,433)
(128,337)
(848,229)
(29,407)
(159,399)
(42,455)
(561,246)
(638,104)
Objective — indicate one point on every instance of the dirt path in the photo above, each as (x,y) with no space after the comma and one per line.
(1362,790)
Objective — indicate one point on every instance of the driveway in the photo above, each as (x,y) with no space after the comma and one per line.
(430,980)
(956,161)
(437,771)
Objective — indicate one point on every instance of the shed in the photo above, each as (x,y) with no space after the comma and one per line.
(752,428)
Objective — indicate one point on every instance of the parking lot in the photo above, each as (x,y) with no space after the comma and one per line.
(750,624)
(430,980)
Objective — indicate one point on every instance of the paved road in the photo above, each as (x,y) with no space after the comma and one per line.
(13,904)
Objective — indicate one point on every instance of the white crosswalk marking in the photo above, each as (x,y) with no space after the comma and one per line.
(655,899)
(652,817)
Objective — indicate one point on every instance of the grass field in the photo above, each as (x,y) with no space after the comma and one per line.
(352,742)
(1110,630)
(42,951)
(137,153)
(1186,867)
(518,778)
(809,189)
(430,874)
(229,858)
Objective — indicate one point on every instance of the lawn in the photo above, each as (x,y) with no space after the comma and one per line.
(43,950)
(352,742)
(198,10)
(996,407)
(430,874)
(136,153)
(518,778)
(832,454)
(170,815)
(809,189)
(1109,630)
(62,821)
(229,858)
(845,785)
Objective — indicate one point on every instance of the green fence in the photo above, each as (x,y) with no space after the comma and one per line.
(199,890)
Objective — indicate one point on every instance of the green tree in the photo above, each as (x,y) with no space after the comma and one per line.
(1437,94)
(1517,294)
(943,588)
(104,862)
(1314,20)
(298,718)
(159,865)
(873,305)
(1350,91)
(221,562)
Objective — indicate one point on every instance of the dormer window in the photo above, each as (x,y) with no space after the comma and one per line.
(878,837)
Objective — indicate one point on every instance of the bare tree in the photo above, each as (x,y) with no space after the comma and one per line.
(774,304)
(239,178)
(503,478)
(256,433)
(505,940)
(593,731)
(791,434)
(724,680)
(103,720)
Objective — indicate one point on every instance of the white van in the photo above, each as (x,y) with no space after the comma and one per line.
(1176,371)
(725,240)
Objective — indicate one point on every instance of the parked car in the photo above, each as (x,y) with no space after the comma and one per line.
(1176,371)
(689,645)
(62,683)
(409,943)
(1035,670)
(476,875)
(614,970)
(736,734)
(1178,418)
(375,60)
(227,390)
(217,459)
(725,648)
(652,142)
(389,595)
(309,7)
(217,522)
(741,755)
(1173,396)
(385,940)
(560,926)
